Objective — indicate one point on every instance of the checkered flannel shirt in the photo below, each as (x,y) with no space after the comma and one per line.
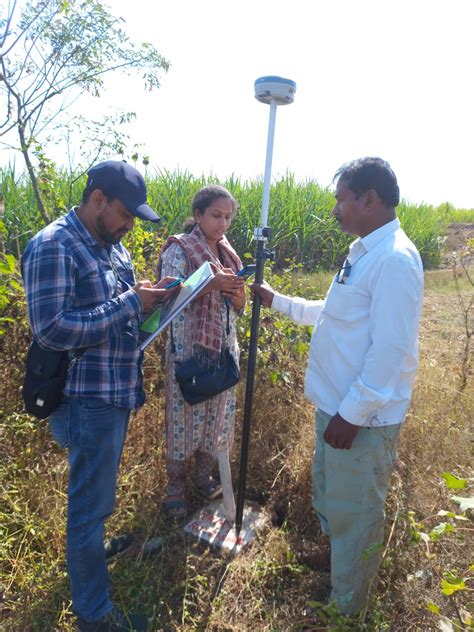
(79,295)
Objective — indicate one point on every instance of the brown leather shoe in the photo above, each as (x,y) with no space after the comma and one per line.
(315,556)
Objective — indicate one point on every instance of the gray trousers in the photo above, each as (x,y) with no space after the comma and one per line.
(349,492)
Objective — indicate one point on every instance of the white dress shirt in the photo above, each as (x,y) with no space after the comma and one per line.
(364,349)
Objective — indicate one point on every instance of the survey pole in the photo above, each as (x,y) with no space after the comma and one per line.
(273,91)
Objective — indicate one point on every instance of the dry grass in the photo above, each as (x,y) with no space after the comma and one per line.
(185,587)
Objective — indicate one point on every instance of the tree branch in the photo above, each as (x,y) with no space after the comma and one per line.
(7,24)
(24,29)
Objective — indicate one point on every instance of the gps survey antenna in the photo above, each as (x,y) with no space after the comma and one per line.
(272,91)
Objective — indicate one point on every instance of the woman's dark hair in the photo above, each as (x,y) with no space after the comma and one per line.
(203,200)
(367,174)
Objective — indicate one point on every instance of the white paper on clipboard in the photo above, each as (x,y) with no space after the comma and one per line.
(165,313)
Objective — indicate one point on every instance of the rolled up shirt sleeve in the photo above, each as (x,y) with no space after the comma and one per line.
(393,326)
(56,323)
(300,310)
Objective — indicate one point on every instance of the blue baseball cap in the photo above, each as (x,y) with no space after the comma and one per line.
(118,179)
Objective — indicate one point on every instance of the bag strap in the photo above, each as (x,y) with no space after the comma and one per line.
(227,328)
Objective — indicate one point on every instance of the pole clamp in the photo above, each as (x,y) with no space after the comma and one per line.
(262,233)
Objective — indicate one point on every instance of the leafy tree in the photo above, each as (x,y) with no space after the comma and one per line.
(51,52)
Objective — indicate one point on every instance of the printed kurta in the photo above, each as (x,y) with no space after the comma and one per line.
(202,426)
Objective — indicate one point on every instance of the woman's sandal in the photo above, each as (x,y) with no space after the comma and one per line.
(176,506)
(210,490)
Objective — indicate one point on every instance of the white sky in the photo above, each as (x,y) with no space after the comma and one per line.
(374,77)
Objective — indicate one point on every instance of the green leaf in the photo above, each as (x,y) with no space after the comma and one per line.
(7,266)
(453,482)
(432,607)
(442,527)
(451,584)
(15,285)
(301,348)
(371,550)
(464,503)
(467,618)
(11,262)
(451,514)
(273,377)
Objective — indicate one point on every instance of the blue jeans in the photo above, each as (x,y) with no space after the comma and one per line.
(94,433)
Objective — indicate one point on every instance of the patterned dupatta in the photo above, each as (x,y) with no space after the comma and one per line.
(206,319)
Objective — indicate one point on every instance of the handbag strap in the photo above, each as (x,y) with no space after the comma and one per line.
(227,328)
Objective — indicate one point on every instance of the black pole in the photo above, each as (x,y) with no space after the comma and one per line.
(273,91)
(260,257)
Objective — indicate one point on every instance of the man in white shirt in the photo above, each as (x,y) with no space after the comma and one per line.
(362,364)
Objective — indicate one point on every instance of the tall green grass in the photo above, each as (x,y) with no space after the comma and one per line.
(300,214)
(447,213)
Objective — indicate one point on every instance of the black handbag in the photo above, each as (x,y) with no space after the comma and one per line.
(45,377)
(200,382)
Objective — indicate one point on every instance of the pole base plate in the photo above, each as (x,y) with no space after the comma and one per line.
(209,526)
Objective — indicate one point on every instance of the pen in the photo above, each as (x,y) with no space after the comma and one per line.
(173,284)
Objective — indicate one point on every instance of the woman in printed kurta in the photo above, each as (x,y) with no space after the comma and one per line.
(197,431)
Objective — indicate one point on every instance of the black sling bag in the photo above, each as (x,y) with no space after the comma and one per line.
(45,377)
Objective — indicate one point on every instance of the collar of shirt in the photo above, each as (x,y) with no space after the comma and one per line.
(79,227)
(362,245)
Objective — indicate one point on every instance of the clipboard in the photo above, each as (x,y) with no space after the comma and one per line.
(166,312)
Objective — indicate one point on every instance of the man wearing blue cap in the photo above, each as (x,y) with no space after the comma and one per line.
(82,295)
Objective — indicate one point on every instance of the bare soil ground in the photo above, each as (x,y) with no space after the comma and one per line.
(457,236)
